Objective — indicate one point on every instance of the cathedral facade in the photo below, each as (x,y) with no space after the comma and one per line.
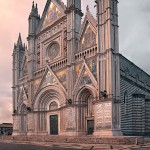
(71,79)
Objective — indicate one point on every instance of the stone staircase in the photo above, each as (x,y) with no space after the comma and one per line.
(84,143)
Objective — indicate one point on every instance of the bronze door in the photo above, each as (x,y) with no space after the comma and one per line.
(90,127)
(54,125)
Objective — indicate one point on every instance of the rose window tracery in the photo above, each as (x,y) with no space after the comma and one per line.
(53,50)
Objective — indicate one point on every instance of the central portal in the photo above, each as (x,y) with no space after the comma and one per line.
(54,125)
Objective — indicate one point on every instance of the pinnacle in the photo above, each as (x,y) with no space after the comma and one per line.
(33,5)
(34,10)
(19,42)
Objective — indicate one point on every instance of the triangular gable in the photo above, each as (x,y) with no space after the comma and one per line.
(49,78)
(88,32)
(53,11)
(85,77)
(88,21)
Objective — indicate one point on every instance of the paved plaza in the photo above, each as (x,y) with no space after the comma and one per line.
(12,146)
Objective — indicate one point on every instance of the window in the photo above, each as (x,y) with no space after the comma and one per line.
(125,100)
(53,50)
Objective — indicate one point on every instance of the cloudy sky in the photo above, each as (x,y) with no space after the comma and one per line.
(134,22)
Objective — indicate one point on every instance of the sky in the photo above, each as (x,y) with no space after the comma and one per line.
(134,38)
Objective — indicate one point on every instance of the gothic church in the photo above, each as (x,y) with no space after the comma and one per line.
(71,79)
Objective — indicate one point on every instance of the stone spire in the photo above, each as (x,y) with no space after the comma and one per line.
(34,10)
(19,42)
(34,19)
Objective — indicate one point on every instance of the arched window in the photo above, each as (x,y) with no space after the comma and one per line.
(125,100)
(53,105)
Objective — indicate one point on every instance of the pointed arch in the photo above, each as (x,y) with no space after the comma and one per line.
(49,78)
(47,95)
(85,97)
(86,88)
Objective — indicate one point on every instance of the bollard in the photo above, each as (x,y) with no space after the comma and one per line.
(111,147)
(91,147)
(136,142)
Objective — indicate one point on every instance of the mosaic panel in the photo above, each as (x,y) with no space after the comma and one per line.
(88,39)
(62,75)
(86,79)
(36,85)
(49,80)
(52,15)
(92,66)
(78,70)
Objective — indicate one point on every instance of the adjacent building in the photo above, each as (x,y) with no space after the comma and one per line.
(71,79)
(6,129)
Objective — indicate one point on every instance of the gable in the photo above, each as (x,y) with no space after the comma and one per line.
(49,80)
(85,77)
(53,11)
(88,38)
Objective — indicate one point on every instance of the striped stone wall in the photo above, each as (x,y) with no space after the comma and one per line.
(135,106)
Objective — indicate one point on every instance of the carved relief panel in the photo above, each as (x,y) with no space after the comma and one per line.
(70,119)
(30,117)
(103,115)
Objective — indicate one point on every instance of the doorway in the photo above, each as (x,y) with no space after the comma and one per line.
(90,127)
(54,125)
